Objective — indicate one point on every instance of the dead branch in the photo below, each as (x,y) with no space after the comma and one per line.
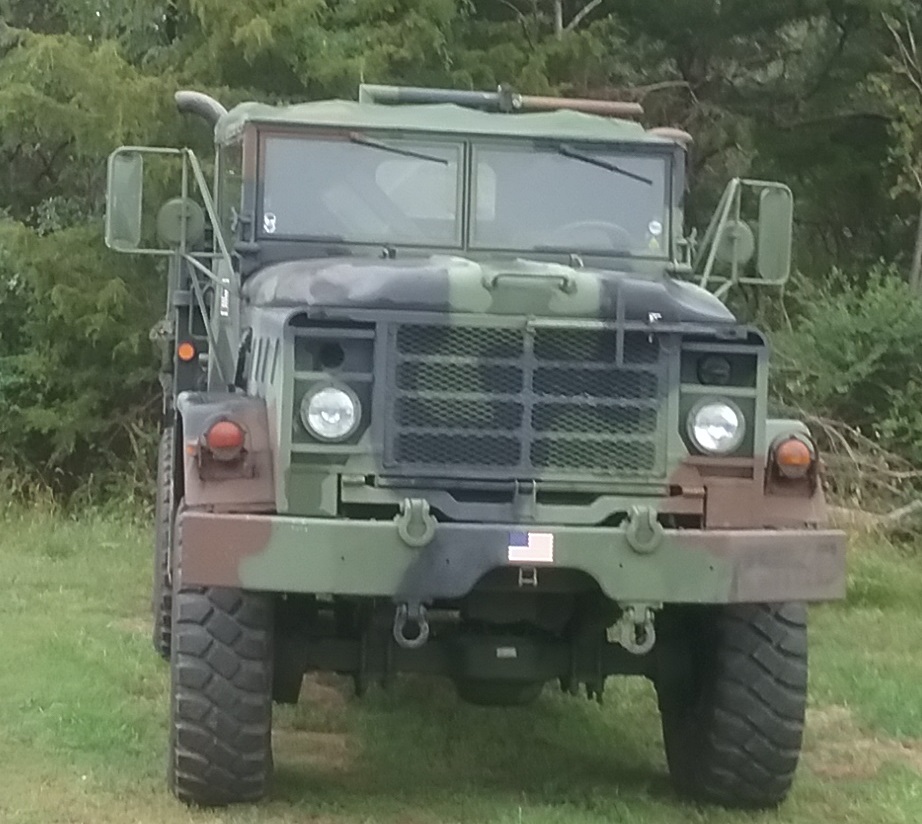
(581,14)
(909,66)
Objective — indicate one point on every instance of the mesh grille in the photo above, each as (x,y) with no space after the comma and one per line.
(446,376)
(599,347)
(600,383)
(572,453)
(608,420)
(477,450)
(460,341)
(440,412)
(492,402)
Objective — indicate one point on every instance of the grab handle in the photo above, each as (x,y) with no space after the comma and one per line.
(565,282)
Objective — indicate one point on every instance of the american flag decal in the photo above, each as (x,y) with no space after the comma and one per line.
(531,548)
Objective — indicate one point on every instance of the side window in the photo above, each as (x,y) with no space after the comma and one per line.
(231,186)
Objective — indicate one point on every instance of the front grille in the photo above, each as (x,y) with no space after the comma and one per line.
(503,402)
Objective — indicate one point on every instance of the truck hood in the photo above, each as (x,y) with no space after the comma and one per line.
(442,283)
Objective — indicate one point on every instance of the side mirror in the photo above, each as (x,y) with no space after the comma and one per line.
(124,200)
(736,244)
(776,219)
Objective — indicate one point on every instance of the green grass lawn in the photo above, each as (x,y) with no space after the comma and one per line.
(83,714)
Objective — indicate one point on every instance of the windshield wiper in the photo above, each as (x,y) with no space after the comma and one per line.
(566,151)
(375,144)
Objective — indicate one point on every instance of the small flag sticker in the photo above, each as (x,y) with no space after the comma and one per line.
(531,548)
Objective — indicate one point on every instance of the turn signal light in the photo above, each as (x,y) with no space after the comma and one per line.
(185,351)
(225,440)
(793,458)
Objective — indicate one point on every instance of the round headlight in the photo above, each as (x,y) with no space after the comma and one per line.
(331,413)
(716,427)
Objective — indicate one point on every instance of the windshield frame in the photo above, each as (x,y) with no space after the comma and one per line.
(467,147)
(416,142)
(612,152)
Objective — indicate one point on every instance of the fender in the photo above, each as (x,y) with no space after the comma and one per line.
(243,485)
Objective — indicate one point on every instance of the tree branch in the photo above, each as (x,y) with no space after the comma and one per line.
(523,21)
(909,65)
(510,5)
(581,14)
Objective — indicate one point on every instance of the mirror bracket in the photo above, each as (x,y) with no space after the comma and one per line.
(730,240)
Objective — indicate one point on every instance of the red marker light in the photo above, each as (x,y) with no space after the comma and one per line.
(224,437)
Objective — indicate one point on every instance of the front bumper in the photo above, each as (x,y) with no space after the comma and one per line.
(369,558)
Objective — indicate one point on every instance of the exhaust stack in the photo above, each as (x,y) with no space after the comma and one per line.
(200,104)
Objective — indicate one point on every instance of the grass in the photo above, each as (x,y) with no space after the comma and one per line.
(83,714)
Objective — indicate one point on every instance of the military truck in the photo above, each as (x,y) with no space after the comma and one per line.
(449,389)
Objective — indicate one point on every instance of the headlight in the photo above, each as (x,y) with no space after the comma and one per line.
(331,413)
(716,427)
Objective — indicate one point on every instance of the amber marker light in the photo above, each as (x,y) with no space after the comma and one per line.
(185,351)
(793,458)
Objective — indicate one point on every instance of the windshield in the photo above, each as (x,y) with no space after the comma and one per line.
(362,190)
(571,199)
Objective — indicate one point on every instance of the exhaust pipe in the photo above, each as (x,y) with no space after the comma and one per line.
(201,105)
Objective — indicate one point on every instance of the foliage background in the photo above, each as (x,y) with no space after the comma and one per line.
(823,94)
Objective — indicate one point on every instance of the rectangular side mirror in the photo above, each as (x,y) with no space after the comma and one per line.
(124,200)
(776,219)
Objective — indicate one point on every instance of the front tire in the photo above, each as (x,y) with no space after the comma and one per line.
(733,720)
(221,701)
(162,595)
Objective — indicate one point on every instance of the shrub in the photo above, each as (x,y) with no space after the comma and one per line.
(851,357)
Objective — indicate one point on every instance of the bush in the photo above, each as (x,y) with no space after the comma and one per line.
(851,358)
(78,383)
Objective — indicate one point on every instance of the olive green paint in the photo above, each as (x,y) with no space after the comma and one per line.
(310,547)
(369,558)
(434,119)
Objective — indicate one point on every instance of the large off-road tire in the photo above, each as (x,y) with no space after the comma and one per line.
(221,701)
(498,693)
(733,720)
(162,595)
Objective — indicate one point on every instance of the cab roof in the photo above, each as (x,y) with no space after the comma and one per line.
(438,118)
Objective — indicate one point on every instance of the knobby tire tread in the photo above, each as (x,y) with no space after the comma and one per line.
(162,596)
(221,749)
(738,742)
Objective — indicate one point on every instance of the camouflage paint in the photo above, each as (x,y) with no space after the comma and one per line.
(756,537)
(458,284)
(369,558)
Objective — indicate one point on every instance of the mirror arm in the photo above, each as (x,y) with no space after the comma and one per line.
(209,206)
(737,216)
(200,300)
(718,222)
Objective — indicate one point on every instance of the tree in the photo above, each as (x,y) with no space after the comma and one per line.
(779,89)
(903,90)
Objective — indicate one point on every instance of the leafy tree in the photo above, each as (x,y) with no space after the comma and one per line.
(901,86)
(824,94)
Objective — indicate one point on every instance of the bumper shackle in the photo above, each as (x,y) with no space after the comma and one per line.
(411,626)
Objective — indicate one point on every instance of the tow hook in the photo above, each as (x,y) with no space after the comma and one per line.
(411,627)
(634,630)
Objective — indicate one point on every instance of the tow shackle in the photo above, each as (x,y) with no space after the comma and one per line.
(412,619)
